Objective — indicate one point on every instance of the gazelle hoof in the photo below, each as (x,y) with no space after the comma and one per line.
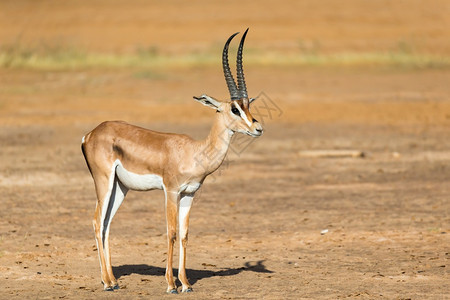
(116,287)
(188,290)
(172,291)
(108,289)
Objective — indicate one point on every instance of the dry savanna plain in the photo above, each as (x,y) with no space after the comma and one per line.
(345,196)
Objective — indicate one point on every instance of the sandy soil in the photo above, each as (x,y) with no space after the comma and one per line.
(271,223)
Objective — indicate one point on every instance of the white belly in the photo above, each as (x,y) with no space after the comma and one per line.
(137,182)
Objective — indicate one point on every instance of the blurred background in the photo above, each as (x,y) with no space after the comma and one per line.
(288,27)
(149,52)
(333,76)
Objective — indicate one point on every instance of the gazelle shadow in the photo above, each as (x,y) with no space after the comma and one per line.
(193,275)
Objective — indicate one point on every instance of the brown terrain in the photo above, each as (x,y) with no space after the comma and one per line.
(278,220)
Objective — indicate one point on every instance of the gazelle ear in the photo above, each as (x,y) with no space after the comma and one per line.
(251,100)
(209,101)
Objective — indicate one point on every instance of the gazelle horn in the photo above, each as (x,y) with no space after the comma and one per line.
(240,72)
(234,93)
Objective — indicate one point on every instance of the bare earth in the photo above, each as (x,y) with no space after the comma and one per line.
(272,223)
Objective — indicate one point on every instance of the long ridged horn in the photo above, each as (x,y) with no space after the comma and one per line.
(232,88)
(240,71)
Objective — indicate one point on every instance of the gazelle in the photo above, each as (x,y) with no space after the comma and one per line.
(121,157)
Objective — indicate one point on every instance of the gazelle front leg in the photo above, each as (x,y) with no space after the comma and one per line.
(171,219)
(183,219)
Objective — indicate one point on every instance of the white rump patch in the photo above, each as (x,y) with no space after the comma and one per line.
(137,182)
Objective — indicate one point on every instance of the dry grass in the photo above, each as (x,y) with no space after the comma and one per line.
(63,58)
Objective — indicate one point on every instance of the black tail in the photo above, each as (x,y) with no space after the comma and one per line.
(85,158)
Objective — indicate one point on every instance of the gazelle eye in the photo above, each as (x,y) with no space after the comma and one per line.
(235,111)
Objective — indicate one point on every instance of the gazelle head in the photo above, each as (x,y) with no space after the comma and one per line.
(236,111)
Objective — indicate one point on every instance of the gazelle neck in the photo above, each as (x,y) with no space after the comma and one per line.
(214,148)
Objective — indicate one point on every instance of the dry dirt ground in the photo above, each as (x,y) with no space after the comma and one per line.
(272,223)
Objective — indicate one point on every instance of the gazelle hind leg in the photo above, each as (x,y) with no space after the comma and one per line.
(99,240)
(110,195)
(118,193)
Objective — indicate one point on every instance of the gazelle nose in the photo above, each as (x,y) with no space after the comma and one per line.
(258,129)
